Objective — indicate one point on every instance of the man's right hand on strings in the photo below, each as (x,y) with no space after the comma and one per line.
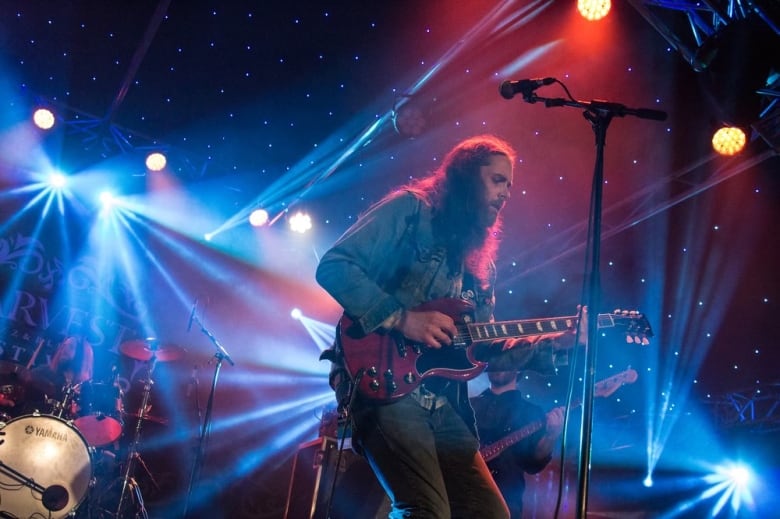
(429,327)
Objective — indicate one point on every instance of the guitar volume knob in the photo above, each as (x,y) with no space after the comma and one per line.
(374,385)
(372,371)
(390,381)
(409,378)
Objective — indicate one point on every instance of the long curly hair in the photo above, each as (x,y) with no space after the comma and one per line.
(73,354)
(455,192)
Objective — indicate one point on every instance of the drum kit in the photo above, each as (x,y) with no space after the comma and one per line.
(49,454)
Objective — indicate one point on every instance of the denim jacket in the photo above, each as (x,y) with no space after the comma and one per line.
(389,261)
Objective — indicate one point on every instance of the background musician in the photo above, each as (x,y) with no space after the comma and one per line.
(502,409)
(48,384)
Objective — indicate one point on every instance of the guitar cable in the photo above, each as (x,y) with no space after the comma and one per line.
(342,437)
(574,357)
(588,297)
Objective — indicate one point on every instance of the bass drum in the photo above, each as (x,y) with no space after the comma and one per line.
(46,468)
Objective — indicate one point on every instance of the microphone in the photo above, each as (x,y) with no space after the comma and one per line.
(508,89)
(192,314)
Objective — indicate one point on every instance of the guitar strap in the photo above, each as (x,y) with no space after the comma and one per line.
(468,290)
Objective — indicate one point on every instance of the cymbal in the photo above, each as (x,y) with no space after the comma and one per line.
(14,382)
(41,382)
(12,368)
(143,350)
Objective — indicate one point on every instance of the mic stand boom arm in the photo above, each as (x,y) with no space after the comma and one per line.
(221,354)
(599,114)
(602,108)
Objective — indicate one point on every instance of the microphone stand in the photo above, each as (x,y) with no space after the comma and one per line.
(129,484)
(221,354)
(599,114)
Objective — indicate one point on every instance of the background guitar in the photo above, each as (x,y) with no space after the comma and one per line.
(603,388)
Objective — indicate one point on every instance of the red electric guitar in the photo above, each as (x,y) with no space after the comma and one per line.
(387,366)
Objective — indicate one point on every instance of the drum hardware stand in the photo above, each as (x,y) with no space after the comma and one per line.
(67,395)
(221,354)
(129,485)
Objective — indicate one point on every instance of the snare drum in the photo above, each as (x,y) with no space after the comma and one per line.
(100,413)
(45,469)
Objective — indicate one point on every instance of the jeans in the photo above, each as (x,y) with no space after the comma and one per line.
(427,460)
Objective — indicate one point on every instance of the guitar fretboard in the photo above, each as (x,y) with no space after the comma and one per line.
(501,330)
(527,327)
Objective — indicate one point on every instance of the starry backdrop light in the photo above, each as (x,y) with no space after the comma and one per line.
(290,108)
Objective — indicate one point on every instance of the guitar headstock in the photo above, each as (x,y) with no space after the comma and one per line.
(610,385)
(635,324)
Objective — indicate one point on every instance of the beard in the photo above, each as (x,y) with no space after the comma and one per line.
(466,225)
(488,215)
(501,378)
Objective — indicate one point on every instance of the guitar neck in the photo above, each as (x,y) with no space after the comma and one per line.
(529,327)
(491,451)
